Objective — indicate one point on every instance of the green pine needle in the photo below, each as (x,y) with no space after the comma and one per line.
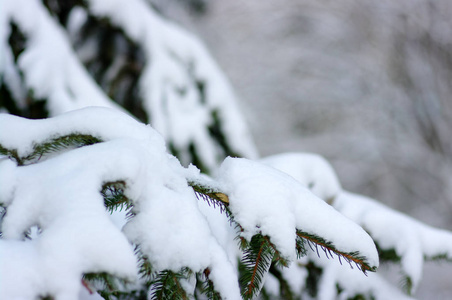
(208,287)
(212,197)
(114,198)
(255,264)
(407,284)
(54,145)
(145,267)
(439,257)
(388,254)
(316,242)
(167,285)
(109,286)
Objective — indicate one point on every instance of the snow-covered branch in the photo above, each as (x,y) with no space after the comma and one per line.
(64,194)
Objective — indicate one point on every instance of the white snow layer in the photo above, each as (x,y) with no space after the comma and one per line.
(372,286)
(61,195)
(268,201)
(176,61)
(412,240)
(49,65)
(311,170)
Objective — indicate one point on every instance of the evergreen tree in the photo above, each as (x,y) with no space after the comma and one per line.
(94,201)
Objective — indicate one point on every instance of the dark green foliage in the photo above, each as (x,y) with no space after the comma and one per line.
(388,255)
(407,284)
(7,100)
(12,153)
(352,258)
(439,257)
(167,285)
(198,7)
(111,287)
(216,132)
(313,278)
(213,197)
(361,297)
(28,106)
(61,9)
(17,40)
(207,287)
(145,267)
(54,145)
(116,64)
(34,108)
(256,260)
(114,48)
(114,198)
(260,255)
(102,282)
(284,289)
(195,159)
(300,247)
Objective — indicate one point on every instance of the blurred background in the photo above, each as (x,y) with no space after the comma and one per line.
(367,84)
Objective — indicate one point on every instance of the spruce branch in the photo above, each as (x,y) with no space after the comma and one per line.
(387,254)
(167,285)
(212,197)
(442,256)
(12,153)
(107,285)
(255,264)
(316,242)
(208,287)
(145,267)
(114,198)
(407,284)
(54,145)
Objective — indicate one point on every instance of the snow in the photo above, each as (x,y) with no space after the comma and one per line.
(49,65)
(373,285)
(311,170)
(61,195)
(412,240)
(103,123)
(265,200)
(176,62)
(77,235)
